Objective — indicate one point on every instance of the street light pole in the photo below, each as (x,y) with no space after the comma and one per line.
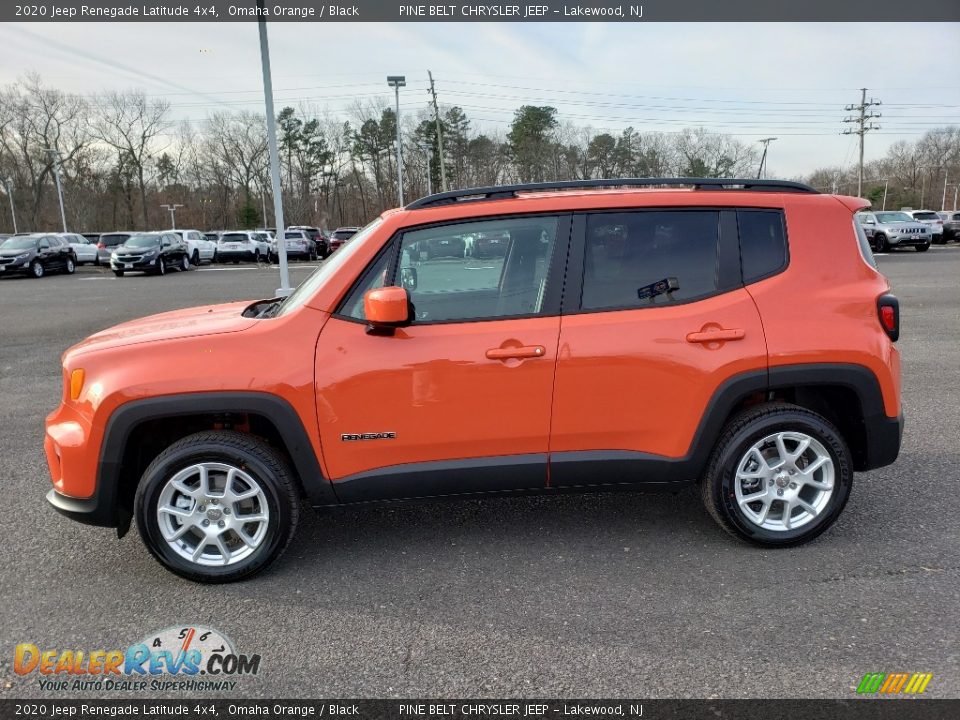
(173,214)
(8,183)
(886,184)
(56,177)
(284,288)
(397,82)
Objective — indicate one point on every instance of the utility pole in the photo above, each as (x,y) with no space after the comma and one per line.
(943,201)
(284,288)
(763,158)
(436,118)
(428,151)
(863,126)
(8,184)
(886,184)
(397,82)
(56,177)
(173,214)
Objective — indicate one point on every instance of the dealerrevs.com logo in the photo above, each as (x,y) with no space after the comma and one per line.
(183,658)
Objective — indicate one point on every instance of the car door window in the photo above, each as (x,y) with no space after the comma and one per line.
(452,275)
(645,258)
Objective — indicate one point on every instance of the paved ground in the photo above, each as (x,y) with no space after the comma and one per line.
(609,595)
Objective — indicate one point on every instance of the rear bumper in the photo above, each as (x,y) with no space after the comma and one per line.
(884,435)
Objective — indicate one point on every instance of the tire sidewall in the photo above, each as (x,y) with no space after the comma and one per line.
(37,270)
(152,484)
(724,485)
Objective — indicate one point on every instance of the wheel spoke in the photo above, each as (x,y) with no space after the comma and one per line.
(251,518)
(810,469)
(764,511)
(781,450)
(224,550)
(787,510)
(753,497)
(807,506)
(801,449)
(247,540)
(204,480)
(179,512)
(198,551)
(182,487)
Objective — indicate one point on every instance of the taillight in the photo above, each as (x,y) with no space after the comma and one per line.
(100,246)
(888,308)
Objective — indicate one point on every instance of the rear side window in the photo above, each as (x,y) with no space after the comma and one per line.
(763,244)
(649,257)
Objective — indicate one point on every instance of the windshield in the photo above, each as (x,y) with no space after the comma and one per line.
(115,239)
(233,237)
(20,243)
(143,241)
(893,217)
(308,287)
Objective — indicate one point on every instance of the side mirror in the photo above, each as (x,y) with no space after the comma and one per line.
(408,278)
(386,308)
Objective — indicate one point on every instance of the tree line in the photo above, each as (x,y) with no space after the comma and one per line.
(121,155)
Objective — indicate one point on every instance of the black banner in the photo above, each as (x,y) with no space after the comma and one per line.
(489,11)
(853,709)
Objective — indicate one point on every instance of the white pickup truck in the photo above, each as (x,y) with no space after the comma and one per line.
(199,249)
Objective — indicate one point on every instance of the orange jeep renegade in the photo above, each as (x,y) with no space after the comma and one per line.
(630,334)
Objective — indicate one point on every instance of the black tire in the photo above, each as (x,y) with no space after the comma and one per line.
(881,243)
(118,273)
(923,248)
(69,266)
(161,266)
(196,258)
(214,259)
(257,459)
(37,270)
(717,487)
(256,257)
(185,263)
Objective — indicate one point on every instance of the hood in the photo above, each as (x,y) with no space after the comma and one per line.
(205,320)
(11,252)
(138,249)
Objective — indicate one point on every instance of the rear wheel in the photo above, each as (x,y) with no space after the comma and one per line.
(196,257)
(185,263)
(217,506)
(161,266)
(779,475)
(70,267)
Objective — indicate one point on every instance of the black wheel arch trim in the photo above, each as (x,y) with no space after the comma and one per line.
(103,508)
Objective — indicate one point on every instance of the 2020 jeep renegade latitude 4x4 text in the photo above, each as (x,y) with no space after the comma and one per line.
(633,333)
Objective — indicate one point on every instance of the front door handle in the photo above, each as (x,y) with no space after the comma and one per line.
(523,351)
(717,335)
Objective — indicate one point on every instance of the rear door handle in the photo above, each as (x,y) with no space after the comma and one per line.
(524,351)
(720,335)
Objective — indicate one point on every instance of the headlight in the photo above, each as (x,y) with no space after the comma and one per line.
(21,256)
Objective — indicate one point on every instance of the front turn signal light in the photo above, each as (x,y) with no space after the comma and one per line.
(76,383)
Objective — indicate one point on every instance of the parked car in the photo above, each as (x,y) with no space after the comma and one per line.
(638,339)
(891,229)
(109,242)
(487,245)
(298,246)
(83,249)
(340,236)
(153,252)
(447,246)
(951,225)
(237,245)
(320,247)
(932,220)
(36,255)
(92,238)
(213,237)
(199,248)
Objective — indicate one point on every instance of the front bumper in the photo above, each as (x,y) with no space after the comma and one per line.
(141,265)
(14,267)
(908,240)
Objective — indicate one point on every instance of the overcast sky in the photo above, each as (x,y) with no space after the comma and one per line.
(791,81)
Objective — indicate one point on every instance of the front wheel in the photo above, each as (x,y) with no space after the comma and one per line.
(36,269)
(161,266)
(217,506)
(881,243)
(118,273)
(923,248)
(779,476)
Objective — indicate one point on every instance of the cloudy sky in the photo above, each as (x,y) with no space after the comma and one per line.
(791,81)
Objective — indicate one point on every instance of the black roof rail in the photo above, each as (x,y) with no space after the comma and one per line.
(498,192)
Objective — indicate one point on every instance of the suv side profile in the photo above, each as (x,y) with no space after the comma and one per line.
(634,334)
(889,229)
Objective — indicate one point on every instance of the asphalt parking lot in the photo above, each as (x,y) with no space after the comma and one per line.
(630,595)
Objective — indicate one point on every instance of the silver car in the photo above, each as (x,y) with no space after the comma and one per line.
(85,251)
(892,229)
(110,242)
(932,220)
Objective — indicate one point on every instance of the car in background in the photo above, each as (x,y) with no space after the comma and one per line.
(951,225)
(237,245)
(447,246)
(83,249)
(92,238)
(932,220)
(489,245)
(212,236)
(298,245)
(320,246)
(109,242)
(36,255)
(4,236)
(339,236)
(199,248)
(888,229)
(150,252)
